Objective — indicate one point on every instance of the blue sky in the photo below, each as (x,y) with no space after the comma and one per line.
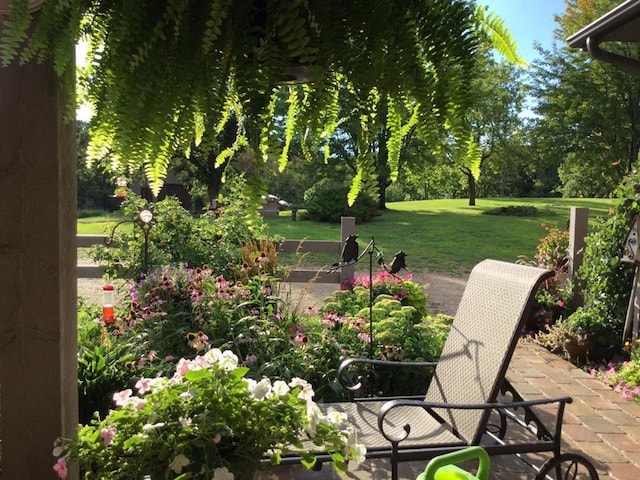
(528,21)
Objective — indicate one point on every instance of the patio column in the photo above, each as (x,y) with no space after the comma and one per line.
(38,317)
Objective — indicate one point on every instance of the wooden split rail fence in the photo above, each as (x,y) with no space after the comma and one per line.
(347,227)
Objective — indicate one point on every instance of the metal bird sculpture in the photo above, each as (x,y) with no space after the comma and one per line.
(349,254)
(397,263)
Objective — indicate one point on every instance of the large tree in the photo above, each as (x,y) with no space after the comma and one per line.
(589,110)
(160,70)
(494,116)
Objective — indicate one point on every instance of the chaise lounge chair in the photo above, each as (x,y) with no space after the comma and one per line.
(469,401)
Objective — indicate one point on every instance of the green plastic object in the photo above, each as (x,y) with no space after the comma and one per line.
(444,467)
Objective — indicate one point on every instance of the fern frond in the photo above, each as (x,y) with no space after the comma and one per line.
(494,28)
(290,126)
(398,133)
(14,31)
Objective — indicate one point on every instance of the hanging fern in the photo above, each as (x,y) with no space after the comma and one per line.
(159,70)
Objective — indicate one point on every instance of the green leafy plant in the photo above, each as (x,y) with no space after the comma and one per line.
(326,201)
(207,421)
(178,237)
(514,211)
(607,279)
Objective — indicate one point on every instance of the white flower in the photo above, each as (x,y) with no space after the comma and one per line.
(122,398)
(213,355)
(314,415)
(185,422)
(229,360)
(158,383)
(222,474)
(336,417)
(360,453)
(260,390)
(280,388)
(179,462)
(59,450)
(148,426)
(137,403)
(357,451)
(188,395)
(307,392)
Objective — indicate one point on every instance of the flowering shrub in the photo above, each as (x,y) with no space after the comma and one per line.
(402,329)
(179,312)
(623,377)
(207,421)
(553,298)
(404,290)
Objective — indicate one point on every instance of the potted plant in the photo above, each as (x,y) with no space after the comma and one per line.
(207,421)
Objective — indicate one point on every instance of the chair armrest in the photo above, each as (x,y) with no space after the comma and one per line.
(429,406)
(354,384)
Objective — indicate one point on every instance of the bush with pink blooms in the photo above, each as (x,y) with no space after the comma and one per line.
(623,377)
(180,312)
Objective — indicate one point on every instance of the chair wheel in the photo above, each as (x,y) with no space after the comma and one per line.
(568,466)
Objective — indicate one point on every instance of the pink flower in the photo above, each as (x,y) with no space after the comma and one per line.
(107,435)
(143,385)
(121,398)
(61,468)
(250,359)
(183,367)
(561,303)
(364,337)
(198,341)
(301,338)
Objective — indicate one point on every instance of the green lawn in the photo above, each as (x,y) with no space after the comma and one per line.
(449,235)
(101,224)
(445,236)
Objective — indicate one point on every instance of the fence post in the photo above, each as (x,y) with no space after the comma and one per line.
(578,226)
(347,227)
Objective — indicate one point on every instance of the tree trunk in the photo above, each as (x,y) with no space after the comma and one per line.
(471,182)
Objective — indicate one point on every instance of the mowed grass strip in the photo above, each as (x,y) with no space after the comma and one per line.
(446,236)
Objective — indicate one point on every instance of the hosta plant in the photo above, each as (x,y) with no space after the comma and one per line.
(207,421)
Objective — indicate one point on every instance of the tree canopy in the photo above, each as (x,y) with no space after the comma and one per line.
(161,72)
(588,110)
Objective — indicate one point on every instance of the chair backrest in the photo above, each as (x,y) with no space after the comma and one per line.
(495,303)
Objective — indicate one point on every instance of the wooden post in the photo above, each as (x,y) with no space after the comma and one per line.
(38,310)
(578,226)
(347,227)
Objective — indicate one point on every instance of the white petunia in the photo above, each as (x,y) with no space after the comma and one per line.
(314,415)
(179,462)
(360,453)
(143,385)
(261,390)
(222,474)
(213,356)
(280,388)
(336,417)
(229,360)
(307,392)
(148,426)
